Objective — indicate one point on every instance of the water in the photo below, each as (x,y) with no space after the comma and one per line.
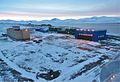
(111,27)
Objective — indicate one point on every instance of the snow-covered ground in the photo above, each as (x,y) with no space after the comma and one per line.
(76,60)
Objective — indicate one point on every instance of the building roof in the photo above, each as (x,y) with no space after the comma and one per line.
(110,71)
(116,78)
(90,29)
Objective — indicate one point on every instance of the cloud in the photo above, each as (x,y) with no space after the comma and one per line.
(36,9)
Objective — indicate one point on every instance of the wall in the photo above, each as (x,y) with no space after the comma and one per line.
(18,34)
(25,35)
(110,69)
(96,34)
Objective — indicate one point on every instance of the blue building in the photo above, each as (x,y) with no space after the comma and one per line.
(90,34)
(41,30)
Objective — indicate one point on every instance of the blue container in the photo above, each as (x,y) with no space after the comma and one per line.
(90,34)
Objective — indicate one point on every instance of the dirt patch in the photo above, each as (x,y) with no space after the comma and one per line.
(77,62)
(49,75)
(87,49)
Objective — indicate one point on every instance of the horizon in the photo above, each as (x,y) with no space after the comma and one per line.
(46,10)
(60,19)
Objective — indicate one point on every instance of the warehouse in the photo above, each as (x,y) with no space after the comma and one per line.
(90,34)
(16,33)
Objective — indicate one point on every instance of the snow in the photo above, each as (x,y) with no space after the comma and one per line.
(57,52)
(24,73)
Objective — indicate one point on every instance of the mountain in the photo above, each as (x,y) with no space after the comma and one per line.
(57,21)
(102,19)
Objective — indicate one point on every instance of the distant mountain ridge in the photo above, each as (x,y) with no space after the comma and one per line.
(57,21)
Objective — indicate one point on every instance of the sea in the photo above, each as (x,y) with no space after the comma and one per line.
(113,28)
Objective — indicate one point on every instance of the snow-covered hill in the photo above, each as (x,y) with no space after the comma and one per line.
(56,21)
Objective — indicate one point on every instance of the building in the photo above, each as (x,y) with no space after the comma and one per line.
(55,29)
(111,72)
(43,28)
(90,34)
(16,33)
(63,30)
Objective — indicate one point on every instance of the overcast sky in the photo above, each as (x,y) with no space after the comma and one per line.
(63,9)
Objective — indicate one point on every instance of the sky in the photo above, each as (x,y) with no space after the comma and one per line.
(62,9)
